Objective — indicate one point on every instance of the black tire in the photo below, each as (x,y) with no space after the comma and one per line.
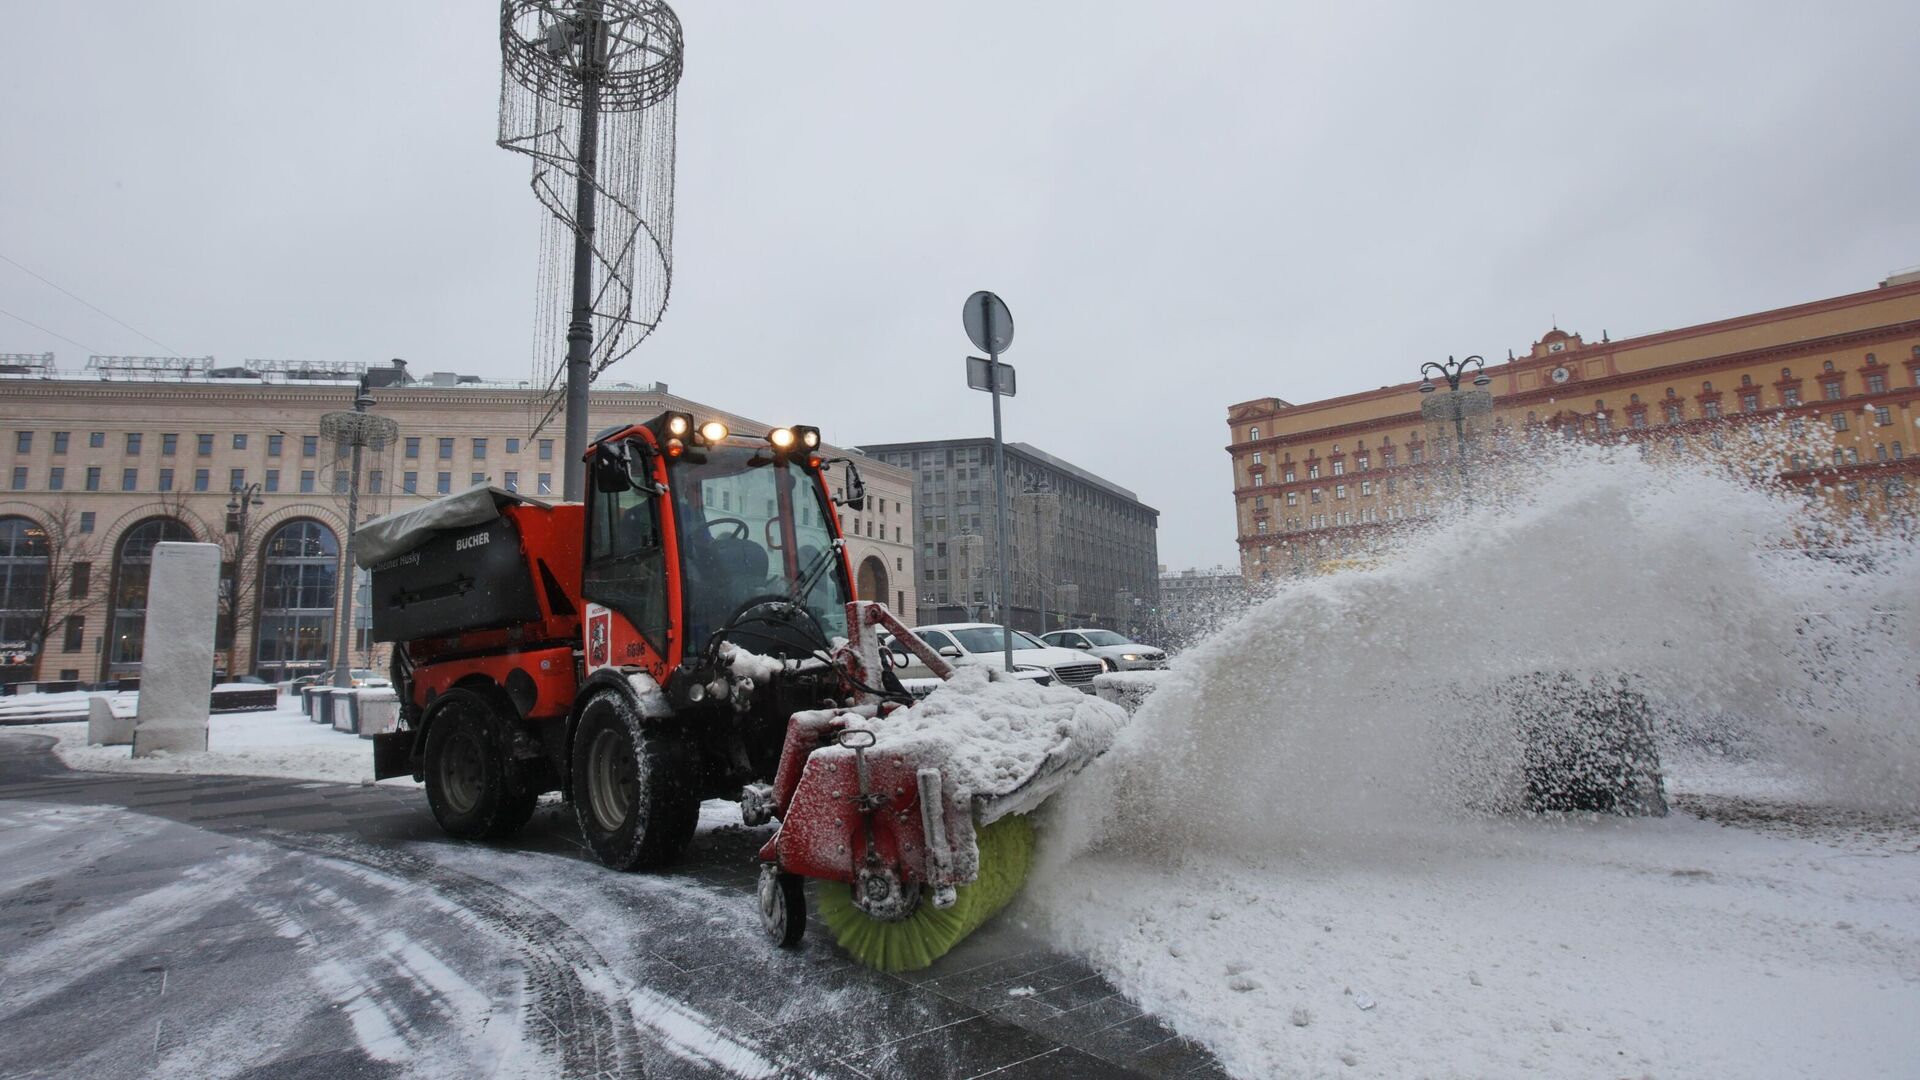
(473,786)
(632,793)
(783,905)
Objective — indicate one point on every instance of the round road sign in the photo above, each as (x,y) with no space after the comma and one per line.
(989,324)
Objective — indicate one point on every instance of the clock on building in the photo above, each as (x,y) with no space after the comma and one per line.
(1560,375)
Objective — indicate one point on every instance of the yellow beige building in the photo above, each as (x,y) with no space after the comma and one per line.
(99,464)
(1326,479)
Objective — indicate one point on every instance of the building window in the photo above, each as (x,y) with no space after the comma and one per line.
(443,483)
(1602,423)
(1750,402)
(76,633)
(1710,409)
(446,449)
(410,483)
(166,479)
(298,581)
(1293,498)
(1260,525)
(132,565)
(133,442)
(93,478)
(513,480)
(309,446)
(513,446)
(169,444)
(1876,383)
(96,439)
(236,479)
(1252,433)
(1790,397)
(202,480)
(479,449)
(57,478)
(60,442)
(1839,421)
(24,561)
(1256,457)
(86,516)
(1339,467)
(1366,487)
(1339,491)
(239,440)
(275,443)
(273,480)
(413,446)
(1314,495)
(203,445)
(1673,412)
(306,481)
(23,442)
(479,478)
(1362,463)
(546,450)
(1386,457)
(129,479)
(19,478)
(1289,474)
(376,479)
(1313,472)
(1897,455)
(1416,456)
(545,481)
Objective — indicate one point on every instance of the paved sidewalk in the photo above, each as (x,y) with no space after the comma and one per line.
(225,926)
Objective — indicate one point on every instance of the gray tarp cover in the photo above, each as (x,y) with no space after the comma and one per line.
(395,534)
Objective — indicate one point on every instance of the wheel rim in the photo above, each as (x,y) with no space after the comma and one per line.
(612,780)
(462,772)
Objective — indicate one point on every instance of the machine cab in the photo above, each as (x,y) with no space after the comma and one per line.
(695,535)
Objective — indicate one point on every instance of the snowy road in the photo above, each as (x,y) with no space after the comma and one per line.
(221,926)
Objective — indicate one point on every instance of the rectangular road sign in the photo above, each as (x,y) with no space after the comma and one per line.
(978,377)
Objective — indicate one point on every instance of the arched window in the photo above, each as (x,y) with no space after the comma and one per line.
(1633,399)
(299,568)
(1706,385)
(1828,366)
(1670,391)
(23,586)
(1746,380)
(131,565)
(1786,373)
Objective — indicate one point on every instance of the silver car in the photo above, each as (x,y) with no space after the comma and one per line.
(981,643)
(1119,651)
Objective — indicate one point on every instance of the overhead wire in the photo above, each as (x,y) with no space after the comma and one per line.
(44,330)
(44,280)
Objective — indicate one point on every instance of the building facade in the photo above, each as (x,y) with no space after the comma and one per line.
(1082,548)
(101,464)
(1327,479)
(1194,603)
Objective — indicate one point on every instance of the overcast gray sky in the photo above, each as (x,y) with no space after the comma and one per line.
(1185,206)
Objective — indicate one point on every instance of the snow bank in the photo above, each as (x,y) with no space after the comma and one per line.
(992,736)
(281,743)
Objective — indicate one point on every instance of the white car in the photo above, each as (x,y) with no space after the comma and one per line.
(1119,652)
(982,643)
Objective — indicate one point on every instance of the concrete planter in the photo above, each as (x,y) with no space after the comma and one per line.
(379,712)
(345,710)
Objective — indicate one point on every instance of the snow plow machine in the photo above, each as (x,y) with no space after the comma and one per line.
(690,632)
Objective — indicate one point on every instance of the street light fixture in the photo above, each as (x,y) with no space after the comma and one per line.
(1457,404)
(239,501)
(360,430)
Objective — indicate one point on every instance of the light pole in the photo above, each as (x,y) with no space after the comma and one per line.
(239,501)
(360,430)
(1458,404)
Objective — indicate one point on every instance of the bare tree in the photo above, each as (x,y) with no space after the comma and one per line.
(73,588)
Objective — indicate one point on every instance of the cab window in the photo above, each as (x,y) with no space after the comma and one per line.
(626,566)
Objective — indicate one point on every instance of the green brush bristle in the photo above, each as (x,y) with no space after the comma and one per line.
(1006,850)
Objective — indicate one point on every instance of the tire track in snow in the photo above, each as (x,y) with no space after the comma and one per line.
(580,1009)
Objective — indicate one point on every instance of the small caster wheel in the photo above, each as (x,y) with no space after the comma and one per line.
(783,905)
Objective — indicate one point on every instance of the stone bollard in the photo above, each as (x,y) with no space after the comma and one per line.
(176,656)
(103,727)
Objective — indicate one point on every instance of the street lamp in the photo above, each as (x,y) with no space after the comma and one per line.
(360,430)
(1457,404)
(239,501)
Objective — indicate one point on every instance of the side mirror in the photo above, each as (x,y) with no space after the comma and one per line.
(856,498)
(612,468)
(951,652)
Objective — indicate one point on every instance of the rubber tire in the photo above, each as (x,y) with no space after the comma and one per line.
(503,804)
(783,906)
(660,818)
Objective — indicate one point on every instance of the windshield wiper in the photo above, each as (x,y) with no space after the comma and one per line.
(819,566)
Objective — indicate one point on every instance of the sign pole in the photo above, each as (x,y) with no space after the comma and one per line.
(1000,511)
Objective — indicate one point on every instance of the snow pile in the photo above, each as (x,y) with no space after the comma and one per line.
(992,736)
(1294,823)
(281,743)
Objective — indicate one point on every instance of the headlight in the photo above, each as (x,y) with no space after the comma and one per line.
(781,438)
(678,423)
(1105,664)
(713,432)
(1129,656)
